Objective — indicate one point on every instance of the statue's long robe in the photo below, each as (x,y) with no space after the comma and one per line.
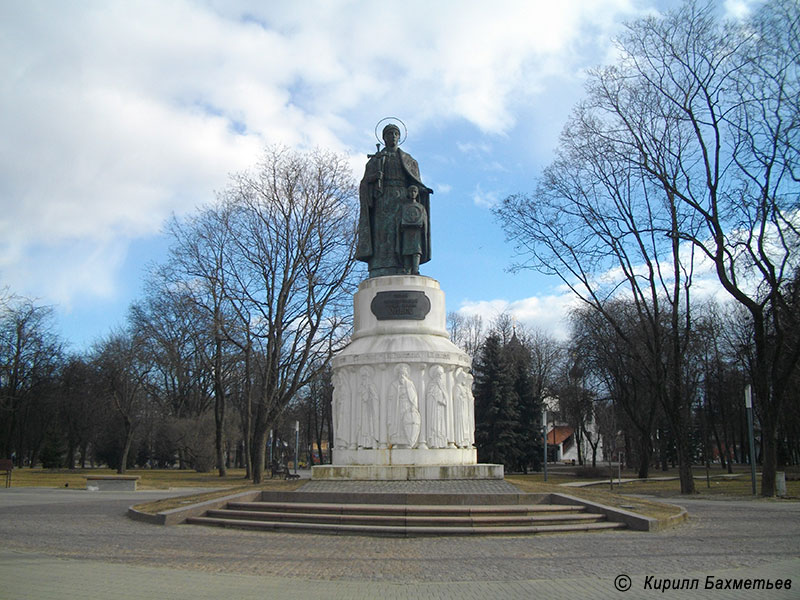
(379,204)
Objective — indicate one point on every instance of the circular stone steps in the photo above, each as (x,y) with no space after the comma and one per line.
(400,530)
(404,519)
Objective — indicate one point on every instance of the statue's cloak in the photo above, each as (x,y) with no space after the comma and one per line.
(367,192)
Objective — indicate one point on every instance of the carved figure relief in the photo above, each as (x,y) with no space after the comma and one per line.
(341,410)
(404,417)
(463,406)
(471,407)
(367,409)
(419,405)
(436,404)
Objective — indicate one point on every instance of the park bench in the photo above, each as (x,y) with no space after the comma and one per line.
(282,471)
(111,483)
(6,466)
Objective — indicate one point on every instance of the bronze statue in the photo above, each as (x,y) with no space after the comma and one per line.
(411,239)
(383,193)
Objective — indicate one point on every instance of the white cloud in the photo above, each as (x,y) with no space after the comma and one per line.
(547,313)
(485,198)
(472,148)
(115,114)
(739,9)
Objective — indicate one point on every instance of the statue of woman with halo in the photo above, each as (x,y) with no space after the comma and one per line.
(382,193)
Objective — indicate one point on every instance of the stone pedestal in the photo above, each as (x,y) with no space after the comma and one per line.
(403,405)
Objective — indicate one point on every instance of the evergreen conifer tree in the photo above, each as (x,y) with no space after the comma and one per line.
(496,405)
(529,405)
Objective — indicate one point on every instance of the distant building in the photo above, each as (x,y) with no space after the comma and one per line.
(562,445)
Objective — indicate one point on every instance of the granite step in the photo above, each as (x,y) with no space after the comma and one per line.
(394,518)
(386,515)
(404,509)
(411,510)
(402,530)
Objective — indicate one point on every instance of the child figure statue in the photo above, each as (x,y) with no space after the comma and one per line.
(411,241)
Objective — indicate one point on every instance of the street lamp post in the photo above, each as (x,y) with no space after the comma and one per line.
(296,444)
(748,405)
(706,452)
(544,429)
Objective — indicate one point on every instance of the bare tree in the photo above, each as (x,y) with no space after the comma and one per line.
(708,112)
(177,340)
(315,412)
(198,265)
(30,353)
(123,372)
(535,380)
(547,355)
(698,125)
(615,362)
(293,229)
(466,332)
(723,376)
(77,395)
(598,223)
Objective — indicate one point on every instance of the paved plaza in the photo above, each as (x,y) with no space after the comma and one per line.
(78,544)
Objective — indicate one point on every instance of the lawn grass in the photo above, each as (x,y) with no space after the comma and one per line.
(740,488)
(150,479)
(534,484)
(158,506)
(154,479)
(720,484)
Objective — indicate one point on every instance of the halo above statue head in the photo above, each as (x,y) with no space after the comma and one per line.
(383,123)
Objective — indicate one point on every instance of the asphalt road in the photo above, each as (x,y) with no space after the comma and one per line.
(88,532)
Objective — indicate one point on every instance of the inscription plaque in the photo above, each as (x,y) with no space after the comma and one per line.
(412,305)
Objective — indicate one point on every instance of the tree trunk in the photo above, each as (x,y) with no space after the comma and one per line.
(247,463)
(662,449)
(644,455)
(329,421)
(723,458)
(71,444)
(769,446)
(594,452)
(685,465)
(628,452)
(765,402)
(726,439)
(247,426)
(219,438)
(260,434)
(123,463)
(259,447)
(219,401)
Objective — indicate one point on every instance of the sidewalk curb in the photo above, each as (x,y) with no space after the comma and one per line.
(634,521)
(178,515)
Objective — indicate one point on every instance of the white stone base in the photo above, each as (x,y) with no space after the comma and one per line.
(406,456)
(405,472)
(402,390)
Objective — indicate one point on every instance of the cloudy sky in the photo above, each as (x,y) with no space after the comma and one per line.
(115,115)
